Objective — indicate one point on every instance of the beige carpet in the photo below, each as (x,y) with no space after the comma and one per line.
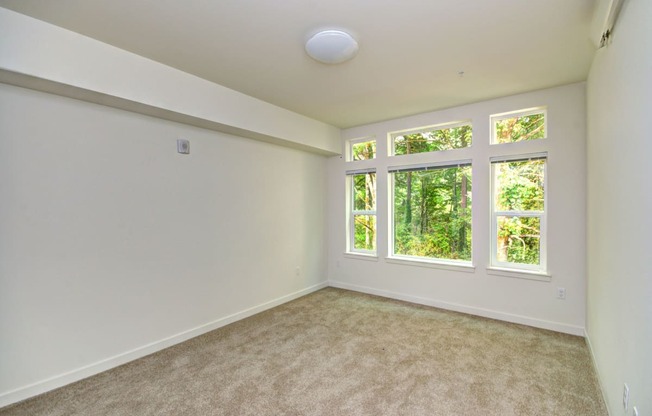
(336,352)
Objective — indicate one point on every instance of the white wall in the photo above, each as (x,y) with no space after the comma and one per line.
(619,318)
(43,56)
(513,299)
(111,241)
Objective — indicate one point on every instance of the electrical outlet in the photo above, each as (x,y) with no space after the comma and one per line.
(561,293)
(183,146)
(634,411)
(625,396)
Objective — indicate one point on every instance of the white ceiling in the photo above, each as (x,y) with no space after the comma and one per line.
(410,50)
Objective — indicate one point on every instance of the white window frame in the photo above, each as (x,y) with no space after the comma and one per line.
(443,126)
(351,212)
(518,113)
(460,265)
(352,142)
(541,268)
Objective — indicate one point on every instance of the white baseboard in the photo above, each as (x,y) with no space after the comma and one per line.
(22,393)
(597,370)
(487,313)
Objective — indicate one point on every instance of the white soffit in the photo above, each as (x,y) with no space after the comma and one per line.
(409,58)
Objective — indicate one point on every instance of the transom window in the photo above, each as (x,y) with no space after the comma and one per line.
(518,213)
(362,149)
(432,139)
(432,211)
(518,126)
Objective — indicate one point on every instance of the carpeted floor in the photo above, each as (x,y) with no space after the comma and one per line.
(337,352)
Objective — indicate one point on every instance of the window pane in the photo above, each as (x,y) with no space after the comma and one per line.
(519,240)
(365,232)
(364,192)
(519,185)
(433,141)
(364,150)
(520,128)
(432,213)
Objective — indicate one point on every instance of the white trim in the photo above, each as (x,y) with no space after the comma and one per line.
(520,274)
(31,390)
(359,255)
(487,313)
(444,164)
(360,171)
(521,157)
(597,370)
(466,267)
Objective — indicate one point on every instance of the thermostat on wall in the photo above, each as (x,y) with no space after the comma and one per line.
(183,146)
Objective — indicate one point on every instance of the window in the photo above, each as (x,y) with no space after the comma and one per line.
(432,139)
(362,221)
(518,214)
(363,149)
(432,211)
(518,126)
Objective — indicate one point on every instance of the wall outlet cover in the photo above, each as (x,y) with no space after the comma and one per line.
(183,146)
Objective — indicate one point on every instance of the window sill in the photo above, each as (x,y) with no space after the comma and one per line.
(361,256)
(434,264)
(519,274)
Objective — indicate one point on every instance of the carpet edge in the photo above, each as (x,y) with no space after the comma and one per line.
(23,393)
(471,310)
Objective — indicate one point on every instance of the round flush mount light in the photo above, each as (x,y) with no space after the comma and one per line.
(332,47)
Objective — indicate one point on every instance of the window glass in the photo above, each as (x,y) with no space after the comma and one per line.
(520,126)
(362,228)
(363,150)
(432,140)
(519,213)
(519,185)
(364,232)
(432,213)
(519,240)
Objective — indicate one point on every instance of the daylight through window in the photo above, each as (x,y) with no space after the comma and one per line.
(432,139)
(362,225)
(518,219)
(363,150)
(518,126)
(432,211)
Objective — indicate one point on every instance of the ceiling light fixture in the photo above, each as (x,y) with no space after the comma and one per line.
(332,47)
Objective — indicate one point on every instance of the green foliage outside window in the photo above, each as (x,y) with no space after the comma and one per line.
(364,150)
(519,187)
(432,213)
(519,239)
(433,141)
(521,128)
(364,208)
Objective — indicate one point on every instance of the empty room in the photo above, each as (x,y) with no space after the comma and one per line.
(294,207)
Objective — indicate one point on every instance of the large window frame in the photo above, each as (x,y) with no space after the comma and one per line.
(540,268)
(353,212)
(392,255)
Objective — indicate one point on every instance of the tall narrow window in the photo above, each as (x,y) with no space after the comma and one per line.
(519,214)
(362,221)
(432,212)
